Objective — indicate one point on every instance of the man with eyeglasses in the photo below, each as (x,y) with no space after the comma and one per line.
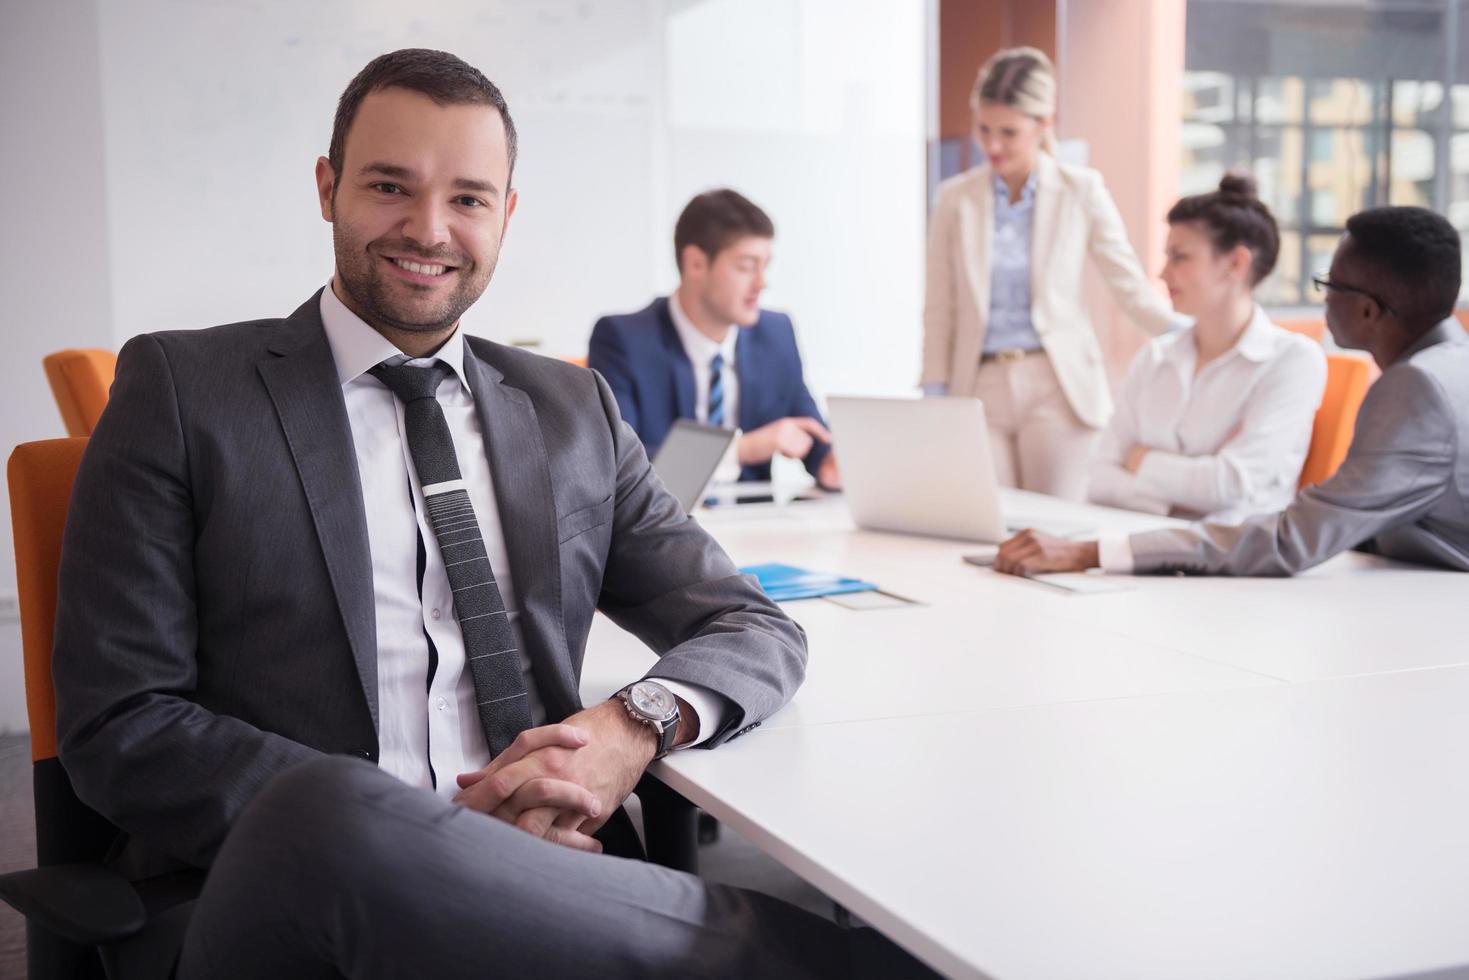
(1403,489)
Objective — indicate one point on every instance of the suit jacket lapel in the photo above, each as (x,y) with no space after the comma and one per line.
(683,371)
(301,378)
(1043,224)
(977,236)
(521,473)
(744,354)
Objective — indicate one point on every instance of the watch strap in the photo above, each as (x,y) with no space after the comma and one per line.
(667,735)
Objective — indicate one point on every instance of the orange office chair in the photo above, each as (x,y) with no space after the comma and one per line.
(1313,328)
(72,902)
(1347,378)
(578,361)
(80,380)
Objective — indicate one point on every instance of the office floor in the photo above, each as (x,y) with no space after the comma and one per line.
(732,859)
(17,844)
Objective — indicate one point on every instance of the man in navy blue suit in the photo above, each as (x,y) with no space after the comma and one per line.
(709,353)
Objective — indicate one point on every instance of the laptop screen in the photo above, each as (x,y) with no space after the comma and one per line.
(688,458)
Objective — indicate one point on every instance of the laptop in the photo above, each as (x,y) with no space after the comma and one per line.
(688,458)
(923,466)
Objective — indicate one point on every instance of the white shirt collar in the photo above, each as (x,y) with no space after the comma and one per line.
(1257,343)
(357,348)
(701,349)
(1027,190)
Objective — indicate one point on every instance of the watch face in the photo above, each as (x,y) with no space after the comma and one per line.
(652,700)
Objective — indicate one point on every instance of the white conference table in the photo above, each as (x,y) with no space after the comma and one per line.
(1190,778)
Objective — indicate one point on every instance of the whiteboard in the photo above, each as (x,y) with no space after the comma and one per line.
(215,112)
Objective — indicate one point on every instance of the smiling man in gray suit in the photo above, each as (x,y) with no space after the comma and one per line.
(1403,489)
(356,532)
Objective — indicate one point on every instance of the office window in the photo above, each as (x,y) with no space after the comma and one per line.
(1334,107)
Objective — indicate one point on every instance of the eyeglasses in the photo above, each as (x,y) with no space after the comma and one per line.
(1323,283)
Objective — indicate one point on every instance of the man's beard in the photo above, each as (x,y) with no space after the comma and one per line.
(382,303)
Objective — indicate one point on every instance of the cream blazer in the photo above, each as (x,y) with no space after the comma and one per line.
(1074,218)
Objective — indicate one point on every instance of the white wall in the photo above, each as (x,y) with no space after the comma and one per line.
(817,111)
(53,251)
(215,115)
(167,162)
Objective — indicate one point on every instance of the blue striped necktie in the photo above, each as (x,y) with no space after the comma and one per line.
(489,642)
(716,390)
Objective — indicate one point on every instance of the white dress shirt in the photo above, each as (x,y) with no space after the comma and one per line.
(700,351)
(428,726)
(1225,442)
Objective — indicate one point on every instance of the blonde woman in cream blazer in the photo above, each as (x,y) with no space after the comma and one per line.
(1045,390)
(1045,407)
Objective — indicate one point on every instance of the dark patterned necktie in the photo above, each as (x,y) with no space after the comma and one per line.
(489,642)
(716,390)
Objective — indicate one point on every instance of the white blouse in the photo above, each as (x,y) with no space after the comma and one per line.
(1225,442)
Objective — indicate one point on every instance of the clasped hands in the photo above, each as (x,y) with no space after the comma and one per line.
(562,782)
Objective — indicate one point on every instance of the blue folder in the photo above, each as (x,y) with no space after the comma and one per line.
(785,582)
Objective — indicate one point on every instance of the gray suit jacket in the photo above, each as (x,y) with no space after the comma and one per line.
(215,622)
(1402,491)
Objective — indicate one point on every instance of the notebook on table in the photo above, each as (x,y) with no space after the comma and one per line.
(785,582)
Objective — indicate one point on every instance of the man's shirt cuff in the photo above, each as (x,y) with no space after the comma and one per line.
(1114,554)
(708,707)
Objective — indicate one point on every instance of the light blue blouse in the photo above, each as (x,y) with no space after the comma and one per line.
(1009,326)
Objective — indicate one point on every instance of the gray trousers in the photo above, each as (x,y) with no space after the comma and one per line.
(338,869)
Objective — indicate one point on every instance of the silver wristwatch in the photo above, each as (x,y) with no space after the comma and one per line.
(655,706)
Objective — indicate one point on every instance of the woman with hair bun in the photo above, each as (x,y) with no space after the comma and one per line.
(1214,421)
(1004,315)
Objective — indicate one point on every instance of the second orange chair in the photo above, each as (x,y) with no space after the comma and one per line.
(1331,435)
(81,380)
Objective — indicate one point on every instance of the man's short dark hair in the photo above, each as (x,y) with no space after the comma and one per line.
(1412,255)
(716,219)
(437,74)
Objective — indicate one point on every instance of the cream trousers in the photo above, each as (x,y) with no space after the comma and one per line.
(1037,441)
